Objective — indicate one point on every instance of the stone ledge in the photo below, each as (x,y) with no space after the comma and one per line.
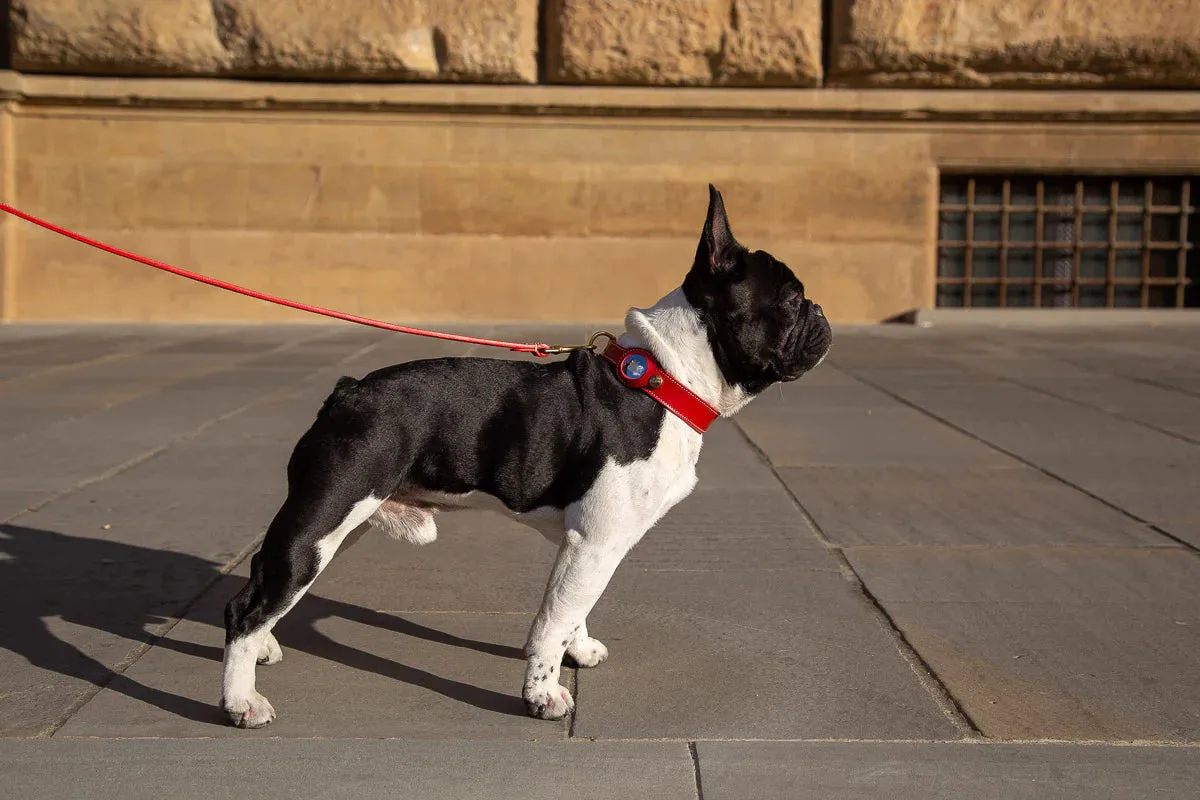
(914,105)
(1050,317)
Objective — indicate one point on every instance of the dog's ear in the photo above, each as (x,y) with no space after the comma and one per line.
(718,249)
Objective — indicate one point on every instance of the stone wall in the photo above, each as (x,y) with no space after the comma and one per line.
(939,43)
(549,203)
(395,40)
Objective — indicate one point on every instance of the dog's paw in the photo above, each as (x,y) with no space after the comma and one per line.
(251,712)
(547,700)
(587,652)
(270,652)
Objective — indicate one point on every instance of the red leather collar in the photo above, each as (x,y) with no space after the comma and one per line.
(637,369)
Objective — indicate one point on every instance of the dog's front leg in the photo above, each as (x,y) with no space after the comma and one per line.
(587,559)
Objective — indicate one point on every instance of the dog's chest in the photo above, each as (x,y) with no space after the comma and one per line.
(648,488)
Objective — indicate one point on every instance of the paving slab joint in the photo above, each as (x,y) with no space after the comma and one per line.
(1032,465)
(924,673)
(695,755)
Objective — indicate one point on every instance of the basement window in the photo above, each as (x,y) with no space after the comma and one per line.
(1041,241)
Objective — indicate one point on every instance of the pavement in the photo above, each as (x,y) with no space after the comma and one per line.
(952,562)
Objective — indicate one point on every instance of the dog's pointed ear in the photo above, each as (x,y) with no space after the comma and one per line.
(718,249)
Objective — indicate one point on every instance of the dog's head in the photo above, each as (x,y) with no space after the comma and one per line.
(761,327)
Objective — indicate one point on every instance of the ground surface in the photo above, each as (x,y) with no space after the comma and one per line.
(950,563)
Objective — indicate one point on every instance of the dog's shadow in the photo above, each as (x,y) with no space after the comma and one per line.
(136,592)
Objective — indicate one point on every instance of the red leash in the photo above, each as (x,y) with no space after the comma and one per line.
(536,348)
(636,368)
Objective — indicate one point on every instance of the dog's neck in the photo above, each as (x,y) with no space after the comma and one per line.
(672,331)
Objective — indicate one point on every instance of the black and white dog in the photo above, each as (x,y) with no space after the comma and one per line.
(567,447)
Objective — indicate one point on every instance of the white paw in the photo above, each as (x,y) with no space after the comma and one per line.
(587,652)
(250,712)
(270,652)
(545,699)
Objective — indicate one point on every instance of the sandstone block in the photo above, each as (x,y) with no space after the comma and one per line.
(469,40)
(684,42)
(116,36)
(477,40)
(1015,42)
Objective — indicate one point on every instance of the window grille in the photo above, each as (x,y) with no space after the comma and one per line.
(1066,242)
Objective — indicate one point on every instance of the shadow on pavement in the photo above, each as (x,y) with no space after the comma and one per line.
(136,592)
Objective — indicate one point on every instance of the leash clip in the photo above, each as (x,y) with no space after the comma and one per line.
(559,349)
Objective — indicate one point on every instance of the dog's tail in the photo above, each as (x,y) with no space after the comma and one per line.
(344,385)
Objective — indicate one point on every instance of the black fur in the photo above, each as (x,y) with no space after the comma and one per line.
(761,327)
(533,435)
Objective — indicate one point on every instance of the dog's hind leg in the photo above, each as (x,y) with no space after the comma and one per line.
(269,652)
(301,541)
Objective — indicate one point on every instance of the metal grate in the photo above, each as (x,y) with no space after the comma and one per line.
(1066,242)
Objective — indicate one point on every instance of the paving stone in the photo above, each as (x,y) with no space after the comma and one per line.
(1186,530)
(785,653)
(127,381)
(863,437)
(75,348)
(359,769)
(62,455)
(1169,411)
(347,671)
(802,397)
(83,596)
(729,619)
(720,528)
(480,562)
(729,462)
(16,501)
(923,374)
(75,606)
(918,770)
(1149,474)
(992,507)
(1065,643)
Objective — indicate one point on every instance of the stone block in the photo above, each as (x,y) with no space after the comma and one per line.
(514,199)
(922,770)
(477,40)
(363,769)
(887,437)
(1051,643)
(1023,43)
(784,653)
(684,42)
(966,507)
(117,36)
(1124,463)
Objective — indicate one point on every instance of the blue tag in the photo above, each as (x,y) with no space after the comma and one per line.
(634,366)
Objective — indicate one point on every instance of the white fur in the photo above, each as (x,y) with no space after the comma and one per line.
(407,522)
(625,501)
(671,329)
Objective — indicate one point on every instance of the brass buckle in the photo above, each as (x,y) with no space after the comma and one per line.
(559,349)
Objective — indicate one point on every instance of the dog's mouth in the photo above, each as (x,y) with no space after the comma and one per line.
(811,339)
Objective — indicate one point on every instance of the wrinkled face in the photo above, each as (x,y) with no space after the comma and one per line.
(761,327)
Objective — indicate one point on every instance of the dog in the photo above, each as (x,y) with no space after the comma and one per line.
(589,454)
